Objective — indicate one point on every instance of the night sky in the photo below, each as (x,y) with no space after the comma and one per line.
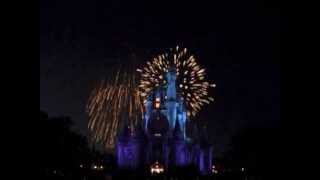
(238,42)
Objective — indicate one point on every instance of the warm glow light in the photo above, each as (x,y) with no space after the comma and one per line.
(157,103)
(214,170)
(156,168)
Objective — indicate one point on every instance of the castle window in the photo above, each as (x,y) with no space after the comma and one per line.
(157,103)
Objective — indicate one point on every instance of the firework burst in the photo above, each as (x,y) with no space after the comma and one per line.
(192,87)
(113,102)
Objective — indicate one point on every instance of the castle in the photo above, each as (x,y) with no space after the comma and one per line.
(162,135)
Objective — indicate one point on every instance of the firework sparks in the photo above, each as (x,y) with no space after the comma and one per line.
(111,103)
(191,84)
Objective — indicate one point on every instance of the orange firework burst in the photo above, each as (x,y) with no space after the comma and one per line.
(191,84)
(111,103)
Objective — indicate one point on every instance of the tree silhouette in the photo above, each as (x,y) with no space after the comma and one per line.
(62,150)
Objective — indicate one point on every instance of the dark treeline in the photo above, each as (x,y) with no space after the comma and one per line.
(65,154)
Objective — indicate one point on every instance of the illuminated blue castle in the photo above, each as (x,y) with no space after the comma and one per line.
(162,136)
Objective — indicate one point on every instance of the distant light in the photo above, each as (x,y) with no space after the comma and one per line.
(156,168)
(95,167)
(101,167)
(181,86)
(242,169)
(157,104)
(214,170)
(157,134)
(81,166)
(54,172)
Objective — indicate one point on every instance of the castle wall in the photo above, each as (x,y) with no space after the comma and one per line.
(204,160)
(128,154)
(183,154)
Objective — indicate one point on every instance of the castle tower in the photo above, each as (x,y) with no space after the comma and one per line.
(171,103)
(182,117)
(128,148)
(205,153)
(180,149)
